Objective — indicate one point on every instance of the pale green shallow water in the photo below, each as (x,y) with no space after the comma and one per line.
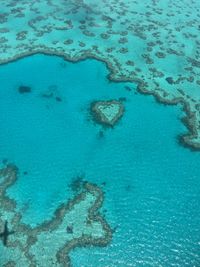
(152,183)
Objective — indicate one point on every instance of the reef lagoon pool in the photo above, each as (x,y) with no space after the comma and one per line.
(150,183)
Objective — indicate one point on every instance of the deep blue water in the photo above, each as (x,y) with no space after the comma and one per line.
(152,191)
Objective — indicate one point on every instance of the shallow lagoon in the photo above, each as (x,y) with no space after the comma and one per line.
(151,186)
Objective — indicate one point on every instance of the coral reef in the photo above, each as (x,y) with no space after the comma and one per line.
(24,89)
(75,223)
(143,42)
(107,112)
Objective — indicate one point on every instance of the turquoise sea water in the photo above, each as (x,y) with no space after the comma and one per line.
(152,184)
